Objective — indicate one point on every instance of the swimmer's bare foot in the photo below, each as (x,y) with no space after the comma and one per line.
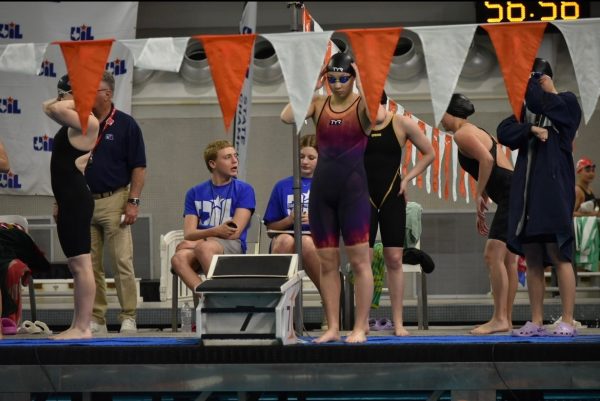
(357,336)
(493,326)
(329,336)
(73,334)
(400,331)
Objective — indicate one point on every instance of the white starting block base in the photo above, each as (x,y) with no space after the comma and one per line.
(261,315)
(229,312)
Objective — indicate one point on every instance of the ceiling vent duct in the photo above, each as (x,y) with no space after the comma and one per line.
(479,62)
(194,67)
(267,69)
(407,61)
(141,75)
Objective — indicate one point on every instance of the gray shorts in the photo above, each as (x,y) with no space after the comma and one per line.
(230,246)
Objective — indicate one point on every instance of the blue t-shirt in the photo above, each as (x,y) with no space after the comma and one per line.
(281,203)
(120,150)
(216,204)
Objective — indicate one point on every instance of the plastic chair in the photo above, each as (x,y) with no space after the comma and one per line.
(421,295)
(412,240)
(22,221)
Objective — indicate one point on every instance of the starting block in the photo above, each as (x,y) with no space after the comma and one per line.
(249,297)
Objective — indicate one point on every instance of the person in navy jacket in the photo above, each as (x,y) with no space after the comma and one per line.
(542,196)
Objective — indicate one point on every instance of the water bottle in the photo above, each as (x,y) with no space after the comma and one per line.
(186,318)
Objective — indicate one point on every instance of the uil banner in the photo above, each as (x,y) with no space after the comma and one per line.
(26,132)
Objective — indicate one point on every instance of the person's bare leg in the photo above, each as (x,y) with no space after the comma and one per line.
(284,243)
(312,263)
(534,257)
(494,259)
(84,291)
(186,266)
(358,256)
(395,282)
(566,282)
(510,262)
(204,252)
(330,292)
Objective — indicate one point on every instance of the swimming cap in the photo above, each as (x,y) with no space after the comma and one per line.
(460,106)
(542,66)
(341,62)
(584,162)
(64,84)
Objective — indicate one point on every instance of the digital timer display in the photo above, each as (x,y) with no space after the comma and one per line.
(513,11)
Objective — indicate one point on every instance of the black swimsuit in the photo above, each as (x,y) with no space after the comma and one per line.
(73,197)
(588,196)
(497,188)
(383,156)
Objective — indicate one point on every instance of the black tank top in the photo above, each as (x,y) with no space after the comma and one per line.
(383,156)
(496,185)
(63,170)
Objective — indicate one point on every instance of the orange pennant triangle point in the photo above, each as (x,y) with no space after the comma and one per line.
(368,45)
(229,58)
(516,47)
(86,62)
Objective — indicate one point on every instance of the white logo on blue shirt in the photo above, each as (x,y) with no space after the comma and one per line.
(304,197)
(217,210)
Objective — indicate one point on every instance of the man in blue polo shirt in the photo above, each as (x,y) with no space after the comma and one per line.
(216,215)
(115,175)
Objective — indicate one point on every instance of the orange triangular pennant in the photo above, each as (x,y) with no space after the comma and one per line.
(516,46)
(368,45)
(420,177)
(435,141)
(86,62)
(392,106)
(408,148)
(307,21)
(447,152)
(229,58)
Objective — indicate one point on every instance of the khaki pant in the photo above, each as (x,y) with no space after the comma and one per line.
(107,231)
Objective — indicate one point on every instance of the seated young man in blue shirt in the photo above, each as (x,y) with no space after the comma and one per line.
(217,214)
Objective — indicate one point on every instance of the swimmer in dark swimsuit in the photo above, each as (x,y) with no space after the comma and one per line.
(586,172)
(479,155)
(387,190)
(339,199)
(74,202)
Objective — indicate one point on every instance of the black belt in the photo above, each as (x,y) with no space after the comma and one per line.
(106,194)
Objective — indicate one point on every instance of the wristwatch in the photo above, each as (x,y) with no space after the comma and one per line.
(134,201)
